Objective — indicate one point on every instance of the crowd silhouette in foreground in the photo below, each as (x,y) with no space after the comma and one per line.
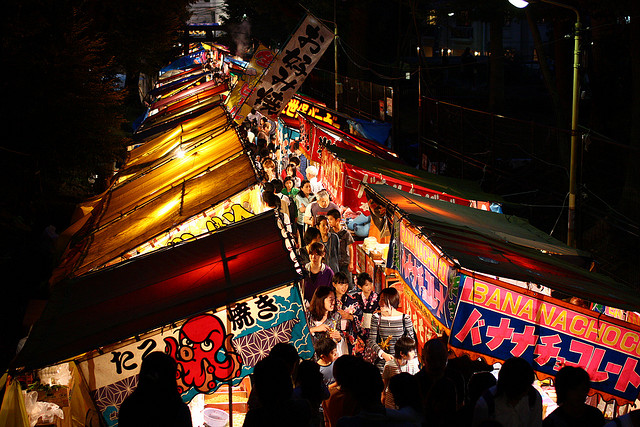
(331,390)
(291,392)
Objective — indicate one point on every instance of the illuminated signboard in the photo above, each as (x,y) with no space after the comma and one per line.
(427,275)
(500,321)
(316,111)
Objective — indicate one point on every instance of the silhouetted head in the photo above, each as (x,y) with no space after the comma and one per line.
(515,378)
(158,374)
(572,385)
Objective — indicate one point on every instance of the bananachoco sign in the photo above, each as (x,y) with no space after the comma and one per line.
(210,349)
(501,321)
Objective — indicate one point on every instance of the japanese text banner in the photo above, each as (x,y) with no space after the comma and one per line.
(290,68)
(427,275)
(502,322)
(261,59)
(210,349)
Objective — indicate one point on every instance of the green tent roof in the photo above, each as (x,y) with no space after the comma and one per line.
(505,246)
(465,189)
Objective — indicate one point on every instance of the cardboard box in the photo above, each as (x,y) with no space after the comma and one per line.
(57,395)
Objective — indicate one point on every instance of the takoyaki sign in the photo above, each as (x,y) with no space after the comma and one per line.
(210,349)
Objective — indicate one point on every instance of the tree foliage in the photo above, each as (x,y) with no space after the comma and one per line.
(142,35)
(62,118)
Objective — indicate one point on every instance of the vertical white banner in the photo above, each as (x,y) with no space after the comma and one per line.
(291,66)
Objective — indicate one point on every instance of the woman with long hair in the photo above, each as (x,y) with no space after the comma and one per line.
(322,316)
(388,326)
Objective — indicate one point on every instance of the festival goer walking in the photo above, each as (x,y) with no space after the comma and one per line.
(349,310)
(311,236)
(303,199)
(341,402)
(322,316)
(406,393)
(319,273)
(368,302)
(330,241)
(512,401)
(274,390)
(437,391)
(572,387)
(326,351)
(404,360)
(310,387)
(345,250)
(321,206)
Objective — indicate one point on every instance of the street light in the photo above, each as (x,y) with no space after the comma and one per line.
(573,165)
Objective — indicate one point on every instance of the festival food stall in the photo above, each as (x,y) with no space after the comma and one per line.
(217,304)
(317,133)
(345,172)
(172,191)
(499,288)
(164,255)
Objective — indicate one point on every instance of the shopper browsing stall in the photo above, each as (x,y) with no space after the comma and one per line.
(388,326)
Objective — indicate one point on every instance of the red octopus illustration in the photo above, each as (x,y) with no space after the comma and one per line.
(202,342)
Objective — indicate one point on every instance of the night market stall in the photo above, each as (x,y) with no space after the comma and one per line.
(173,190)
(345,172)
(317,133)
(499,288)
(217,304)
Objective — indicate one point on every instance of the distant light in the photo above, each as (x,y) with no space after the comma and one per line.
(476,53)
(520,4)
(451,13)
(448,51)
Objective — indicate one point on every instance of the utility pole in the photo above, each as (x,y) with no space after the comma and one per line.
(335,55)
(573,165)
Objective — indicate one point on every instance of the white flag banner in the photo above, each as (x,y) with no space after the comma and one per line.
(291,66)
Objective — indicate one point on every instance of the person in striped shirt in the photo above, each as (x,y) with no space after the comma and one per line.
(388,326)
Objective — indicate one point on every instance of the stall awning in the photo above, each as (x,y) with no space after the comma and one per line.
(338,136)
(160,288)
(205,125)
(504,246)
(169,209)
(161,195)
(469,190)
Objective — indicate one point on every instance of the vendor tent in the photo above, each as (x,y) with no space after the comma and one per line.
(185,107)
(317,134)
(161,190)
(217,305)
(157,289)
(503,246)
(345,172)
(496,285)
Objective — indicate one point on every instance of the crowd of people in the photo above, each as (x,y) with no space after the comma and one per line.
(346,390)
(365,370)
